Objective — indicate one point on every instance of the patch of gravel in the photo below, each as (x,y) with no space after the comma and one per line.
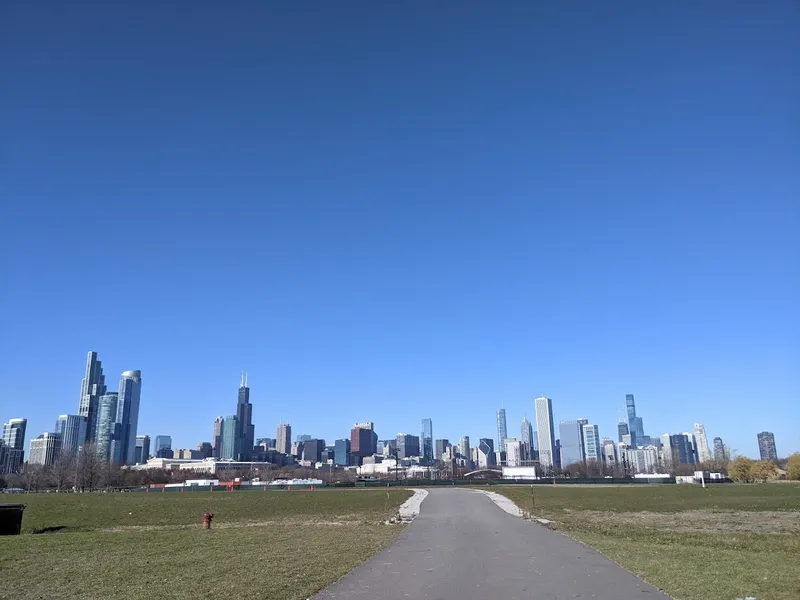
(508,505)
(409,510)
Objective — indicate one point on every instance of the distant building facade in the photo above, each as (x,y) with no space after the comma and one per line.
(44,449)
(72,429)
(283,439)
(341,453)
(546,433)
(142,451)
(766,446)
(407,445)
(571,435)
(591,442)
(426,440)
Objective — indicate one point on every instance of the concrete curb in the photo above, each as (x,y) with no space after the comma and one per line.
(508,505)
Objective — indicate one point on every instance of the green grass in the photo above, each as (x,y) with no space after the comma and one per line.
(271,545)
(725,541)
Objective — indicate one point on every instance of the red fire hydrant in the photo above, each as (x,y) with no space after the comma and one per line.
(207,520)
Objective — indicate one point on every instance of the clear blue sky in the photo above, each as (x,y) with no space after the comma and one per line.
(390,211)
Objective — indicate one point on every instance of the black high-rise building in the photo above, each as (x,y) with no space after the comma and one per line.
(244,415)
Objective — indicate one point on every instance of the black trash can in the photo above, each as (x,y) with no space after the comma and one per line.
(11,518)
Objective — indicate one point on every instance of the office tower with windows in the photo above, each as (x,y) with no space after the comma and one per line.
(703,452)
(216,438)
(407,445)
(720,455)
(341,453)
(441,448)
(312,450)
(72,429)
(130,388)
(682,450)
(162,448)
(766,446)
(283,439)
(363,441)
(609,452)
(93,386)
(667,459)
(544,429)
(108,429)
(44,450)
(463,447)
(14,441)
(244,422)
(622,430)
(231,439)
(502,430)
(526,438)
(591,442)
(486,456)
(426,440)
(514,452)
(571,436)
(142,450)
(635,426)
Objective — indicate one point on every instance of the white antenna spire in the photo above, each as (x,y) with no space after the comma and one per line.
(245,379)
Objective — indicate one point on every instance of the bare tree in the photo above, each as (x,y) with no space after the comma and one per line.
(87,471)
(62,471)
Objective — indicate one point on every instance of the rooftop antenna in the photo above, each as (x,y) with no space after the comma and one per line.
(245,379)
(241,383)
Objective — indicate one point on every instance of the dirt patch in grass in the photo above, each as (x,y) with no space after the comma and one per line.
(700,521)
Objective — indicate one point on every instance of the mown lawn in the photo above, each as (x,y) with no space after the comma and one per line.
(273,545)
(722,542)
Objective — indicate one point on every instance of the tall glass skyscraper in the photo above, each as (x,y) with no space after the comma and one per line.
(231,439)
(162,446)
(635,425)
(427,440)
(244,420)
(130,388)
(72,429)
(571,434)
(341,452)
(283,440)
(766,446)
(544,427)
(142,452)
(93,386)
(107,427)
(14,440)
(502,430)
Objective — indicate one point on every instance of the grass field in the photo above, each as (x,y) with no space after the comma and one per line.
(722,542)
(268,545)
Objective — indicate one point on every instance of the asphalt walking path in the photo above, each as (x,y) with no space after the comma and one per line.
(464,547)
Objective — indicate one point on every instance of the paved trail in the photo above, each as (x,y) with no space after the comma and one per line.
(463,547)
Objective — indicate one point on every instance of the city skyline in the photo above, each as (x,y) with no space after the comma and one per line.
(112,420)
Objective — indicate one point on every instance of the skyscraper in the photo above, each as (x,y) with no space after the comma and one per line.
(407,445)
(14,440)
(766,446)
(142,451)
(216,438)
(514,452)
(571,436)
(363,440)
(284,439)
(93,386)
(720,454)
(668,457)
(427,440)
(547,438)
(312,450)
(682,451)
(244,416)
(341,452)
(526,437)
(72,429)
(502,430)
(636,428)
(163,446)
(591,442)
(486,457)
(622,430)
(231,439)
(108,428)
(441,447)
(44,449)
(463,447)
(130,389)
(703,452)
